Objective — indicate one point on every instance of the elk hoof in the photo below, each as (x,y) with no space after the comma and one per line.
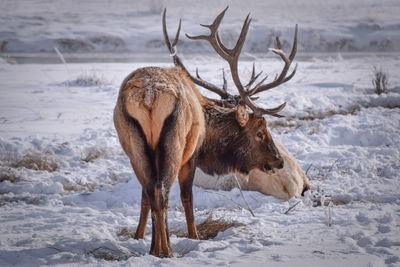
(195,236)
(167,254)
(138,236)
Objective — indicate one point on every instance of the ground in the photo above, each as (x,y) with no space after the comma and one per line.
(68,191)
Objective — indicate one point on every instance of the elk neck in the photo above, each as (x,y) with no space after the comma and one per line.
(225,147)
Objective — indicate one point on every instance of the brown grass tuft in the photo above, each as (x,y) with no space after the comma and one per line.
(93,153)
(87,79)
(9,174)
(109,254)
(209,228)
(36,161)
(380,81)
(80,187)
(124,234)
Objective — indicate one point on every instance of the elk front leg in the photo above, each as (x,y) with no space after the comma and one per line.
(186,176)
(144,213)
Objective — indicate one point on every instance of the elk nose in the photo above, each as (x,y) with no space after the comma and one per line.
(267,167)
(305,189)
(281,165)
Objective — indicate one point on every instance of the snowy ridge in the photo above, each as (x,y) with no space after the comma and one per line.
(135,26)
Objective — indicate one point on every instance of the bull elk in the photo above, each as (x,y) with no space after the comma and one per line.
(167,129)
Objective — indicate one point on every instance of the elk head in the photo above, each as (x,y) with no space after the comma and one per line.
(250,144)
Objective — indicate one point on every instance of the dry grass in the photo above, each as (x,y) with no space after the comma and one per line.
(33,161)
(328,201)
(330,113)
(380,81)
(291,123)
(109,254)
(80,187)
(209,228)
(38,162)
(85,80)
(9,174)
(93,153)
(125,234)
(31,200)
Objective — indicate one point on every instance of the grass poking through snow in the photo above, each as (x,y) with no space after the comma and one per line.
(34,161)
(209,228)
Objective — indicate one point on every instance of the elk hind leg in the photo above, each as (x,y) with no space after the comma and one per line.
(168,156)
(144,213)
(142,161)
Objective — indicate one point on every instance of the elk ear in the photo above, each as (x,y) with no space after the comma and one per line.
(242,116)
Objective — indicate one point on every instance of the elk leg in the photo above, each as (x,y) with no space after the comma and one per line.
(186,176)
(144,213)
(168,157)
(160,246)
(138,148)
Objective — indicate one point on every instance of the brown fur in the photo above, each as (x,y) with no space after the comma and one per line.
(288,182)
(229,146)
(167,129)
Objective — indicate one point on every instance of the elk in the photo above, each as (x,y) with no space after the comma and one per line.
(167,129)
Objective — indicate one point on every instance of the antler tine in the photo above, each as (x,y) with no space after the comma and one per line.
(178,62)
(242,37)
(253,78)
(165,32)
(212,38)
(246,95)
(171,48)
(253,71)
(232,57)
(282,78)
(177,34)
(225,84)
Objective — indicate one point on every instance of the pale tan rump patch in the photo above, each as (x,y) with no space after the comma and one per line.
(152,120)
(150,104)
(151,94)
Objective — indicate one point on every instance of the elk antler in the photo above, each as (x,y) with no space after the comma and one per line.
(232,57)
(178,62)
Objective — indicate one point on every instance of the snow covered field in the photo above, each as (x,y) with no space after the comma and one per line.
(68,195)
(67,190)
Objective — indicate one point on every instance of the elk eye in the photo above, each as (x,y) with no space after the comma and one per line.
(259,135)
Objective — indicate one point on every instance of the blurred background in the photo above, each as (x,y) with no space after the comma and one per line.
(130,30)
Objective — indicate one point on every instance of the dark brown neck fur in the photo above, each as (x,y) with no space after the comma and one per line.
(225,146)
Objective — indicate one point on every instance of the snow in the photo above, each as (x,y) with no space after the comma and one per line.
(124,27)
(67,189)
